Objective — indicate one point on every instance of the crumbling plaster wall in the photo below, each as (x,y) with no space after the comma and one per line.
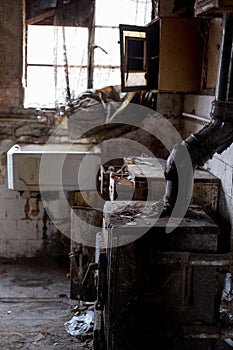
(11,55)
(21,234)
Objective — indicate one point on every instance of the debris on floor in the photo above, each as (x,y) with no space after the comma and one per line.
(81,324)
(35,304)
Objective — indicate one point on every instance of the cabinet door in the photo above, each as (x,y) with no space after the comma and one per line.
(139,46)
(181,55)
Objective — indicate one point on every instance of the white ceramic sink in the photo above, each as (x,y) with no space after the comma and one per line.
(50,167)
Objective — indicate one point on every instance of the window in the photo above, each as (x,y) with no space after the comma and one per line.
(52,70)
(45,85)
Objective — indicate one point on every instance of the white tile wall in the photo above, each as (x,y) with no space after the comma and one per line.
(13,209)
(16,248)
(21,235)
(29,229)
(198,104)
(3,251)
(58,209)
(8,229)
(35,247)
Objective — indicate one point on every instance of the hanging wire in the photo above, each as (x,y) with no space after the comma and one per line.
(55,62)
(79,72)
(66,69)
(55,49)
(59,17)
(136,13)
(146,4)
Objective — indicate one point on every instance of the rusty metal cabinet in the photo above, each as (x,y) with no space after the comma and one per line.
(153,293)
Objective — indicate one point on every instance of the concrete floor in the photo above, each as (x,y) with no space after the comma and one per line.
(35,304)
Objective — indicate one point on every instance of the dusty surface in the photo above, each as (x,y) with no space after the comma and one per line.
(35,304)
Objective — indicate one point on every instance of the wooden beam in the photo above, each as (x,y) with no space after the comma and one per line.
(41,17)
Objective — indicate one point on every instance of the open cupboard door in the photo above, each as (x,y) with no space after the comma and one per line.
(139,56)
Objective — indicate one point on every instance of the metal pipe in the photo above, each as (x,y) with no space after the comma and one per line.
(216,136)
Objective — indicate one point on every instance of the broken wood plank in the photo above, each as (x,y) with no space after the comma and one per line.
(41,17)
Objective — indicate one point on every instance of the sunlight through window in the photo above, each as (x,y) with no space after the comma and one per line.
(49,68)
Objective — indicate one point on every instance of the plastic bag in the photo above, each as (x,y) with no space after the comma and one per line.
(226,306)
(80,325)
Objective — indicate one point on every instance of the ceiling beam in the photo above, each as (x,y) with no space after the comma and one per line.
(41,17)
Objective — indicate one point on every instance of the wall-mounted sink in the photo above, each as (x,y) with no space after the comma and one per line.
(50,167)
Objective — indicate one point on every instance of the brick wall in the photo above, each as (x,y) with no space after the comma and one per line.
(11,56)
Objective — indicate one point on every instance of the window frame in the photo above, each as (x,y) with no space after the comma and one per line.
(91,67)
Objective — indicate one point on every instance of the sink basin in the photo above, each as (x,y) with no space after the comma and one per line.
(50,167)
